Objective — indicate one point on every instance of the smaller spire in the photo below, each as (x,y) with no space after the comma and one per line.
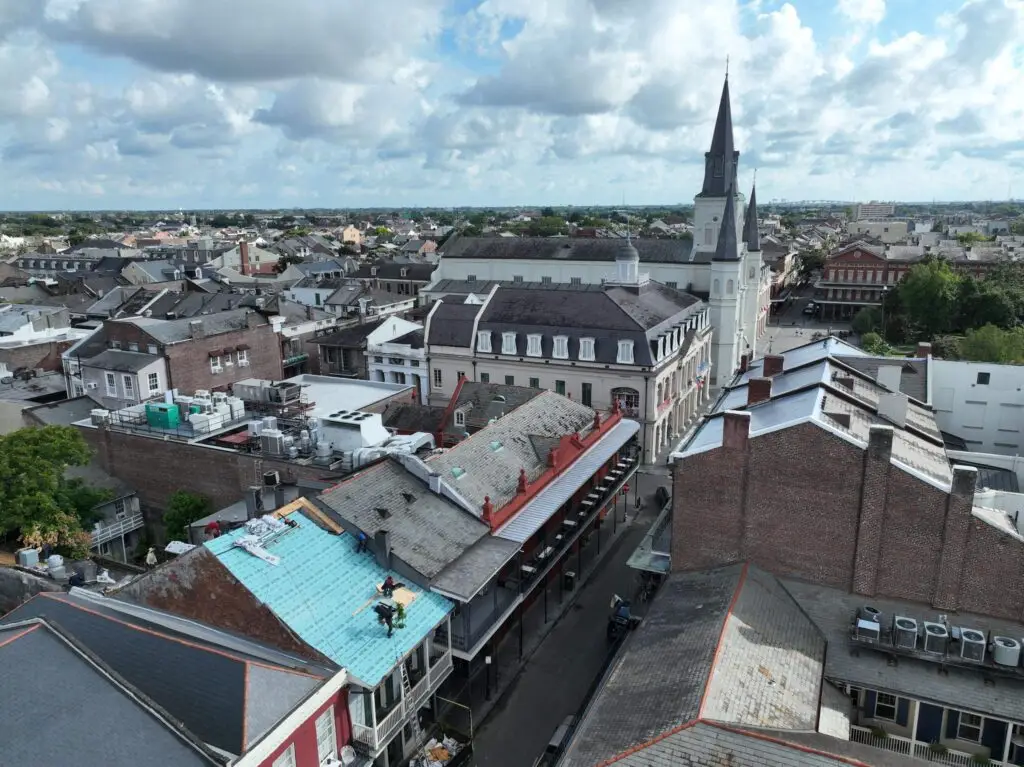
(727,66)
(728,248)
(751,235)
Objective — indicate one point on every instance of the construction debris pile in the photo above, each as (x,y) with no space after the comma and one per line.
(437,754)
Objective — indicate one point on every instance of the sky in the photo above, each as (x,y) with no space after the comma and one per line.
(156,104)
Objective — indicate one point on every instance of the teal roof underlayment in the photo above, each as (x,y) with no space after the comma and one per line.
(325,592)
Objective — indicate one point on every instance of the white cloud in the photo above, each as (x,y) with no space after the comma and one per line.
(380,102)
(862,11)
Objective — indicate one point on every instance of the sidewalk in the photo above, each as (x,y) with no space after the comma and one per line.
(490,697)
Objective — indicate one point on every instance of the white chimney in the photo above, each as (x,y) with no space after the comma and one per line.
(889,376)
(892,406)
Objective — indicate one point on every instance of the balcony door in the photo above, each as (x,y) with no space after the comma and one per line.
(326,735)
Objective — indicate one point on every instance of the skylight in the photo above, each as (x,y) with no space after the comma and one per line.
(457,471)
(496,446)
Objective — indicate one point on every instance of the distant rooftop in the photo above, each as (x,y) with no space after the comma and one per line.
(330,394)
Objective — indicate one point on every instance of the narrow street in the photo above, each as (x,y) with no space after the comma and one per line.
(557,677)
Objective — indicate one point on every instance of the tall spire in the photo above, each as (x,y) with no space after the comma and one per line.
(728,248)
(720,163)
(751,235)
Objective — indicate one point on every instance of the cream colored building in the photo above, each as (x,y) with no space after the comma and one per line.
(352,235)
(631,341)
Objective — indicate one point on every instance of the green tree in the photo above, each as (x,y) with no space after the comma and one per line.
(82,499)
(34,496)
(929,295)
(867,320)
(183,508)
(1017,227)
(987,302)
(992,344)
(811,261)
(546,226)
(285,261)
(970,238)
(872,343)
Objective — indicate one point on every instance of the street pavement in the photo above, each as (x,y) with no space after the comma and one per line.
(793,328)
(556,679)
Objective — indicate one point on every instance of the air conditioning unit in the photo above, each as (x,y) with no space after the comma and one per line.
(936,637)
(90,385)
(1006,651)
(868,626)
(972,645)
(904,632)
(243,363)
(271,478)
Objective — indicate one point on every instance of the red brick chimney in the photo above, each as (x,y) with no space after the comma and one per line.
(772,365)
(759,390)
(736,430)
(488,509)
(744,362)
(243,252)
(521,486)
(924,349)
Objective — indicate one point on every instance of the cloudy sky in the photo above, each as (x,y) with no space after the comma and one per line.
(351,103)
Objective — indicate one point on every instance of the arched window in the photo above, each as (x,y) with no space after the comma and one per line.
(729,287)
(717,288)
(629,401)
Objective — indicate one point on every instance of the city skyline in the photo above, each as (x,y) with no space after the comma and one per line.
(110,104)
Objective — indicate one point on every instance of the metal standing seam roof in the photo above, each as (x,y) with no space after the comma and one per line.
(550,498)
(324,592)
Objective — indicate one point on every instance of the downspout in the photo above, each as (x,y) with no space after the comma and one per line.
(647,398)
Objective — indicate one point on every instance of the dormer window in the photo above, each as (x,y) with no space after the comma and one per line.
(533,347)
(560,349)
(373,271)
(483,341)
(405,272)
(625,356)
(661,347)
(508,343)
(587,349)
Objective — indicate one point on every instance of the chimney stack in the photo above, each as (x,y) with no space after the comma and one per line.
(382,548)
(196,329)
(892,406)
(759,390)
(744,363)
(243,253)
(890,376)
(254,502)
(736,430)
(924,349)
(772,365)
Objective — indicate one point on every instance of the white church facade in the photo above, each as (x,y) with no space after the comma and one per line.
(723,265)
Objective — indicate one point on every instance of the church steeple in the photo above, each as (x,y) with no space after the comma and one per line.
(751,235)
(728,247)
(720,163)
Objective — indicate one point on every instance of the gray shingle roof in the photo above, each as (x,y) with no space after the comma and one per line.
(392,270)
(727,645)
(480,402)
(913,376)
(470,572)
(427,531)
(832,610)
(564,249)
(59,708)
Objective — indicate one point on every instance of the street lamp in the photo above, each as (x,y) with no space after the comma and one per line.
(885,292)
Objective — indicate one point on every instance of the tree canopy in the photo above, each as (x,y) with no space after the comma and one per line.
(183,508)
(36,500)
(993,344)
(929,293)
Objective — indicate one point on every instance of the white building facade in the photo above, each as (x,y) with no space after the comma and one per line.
(396,353)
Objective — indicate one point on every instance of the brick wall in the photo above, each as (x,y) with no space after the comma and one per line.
(802,502)
(189,361)
(155,468)
(45,356)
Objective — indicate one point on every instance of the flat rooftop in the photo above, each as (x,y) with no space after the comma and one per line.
(329,394)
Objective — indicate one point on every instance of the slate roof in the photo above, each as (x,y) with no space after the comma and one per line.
(413,417)
(913,375)
(727,645)
(607,315)
(428,532)
(61,707)
(451,324)
(832,611)
(124,361)
(174,331)
(206,688)
(354,337)
(494,473)
(564,249)
(708,744)
(392,270)
(65,412)
(480,402)
(323,590)
(464,577)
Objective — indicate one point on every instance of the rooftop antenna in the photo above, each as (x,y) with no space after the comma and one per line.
(727,66)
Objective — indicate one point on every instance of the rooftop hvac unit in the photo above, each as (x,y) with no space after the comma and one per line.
(219,396)
(273,442)
(936,637)
(99,416)
(255,428)
(271,478)
(972,645)
(1006,651)
(868,626)
(270,422)
(904,632)
(202,394)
